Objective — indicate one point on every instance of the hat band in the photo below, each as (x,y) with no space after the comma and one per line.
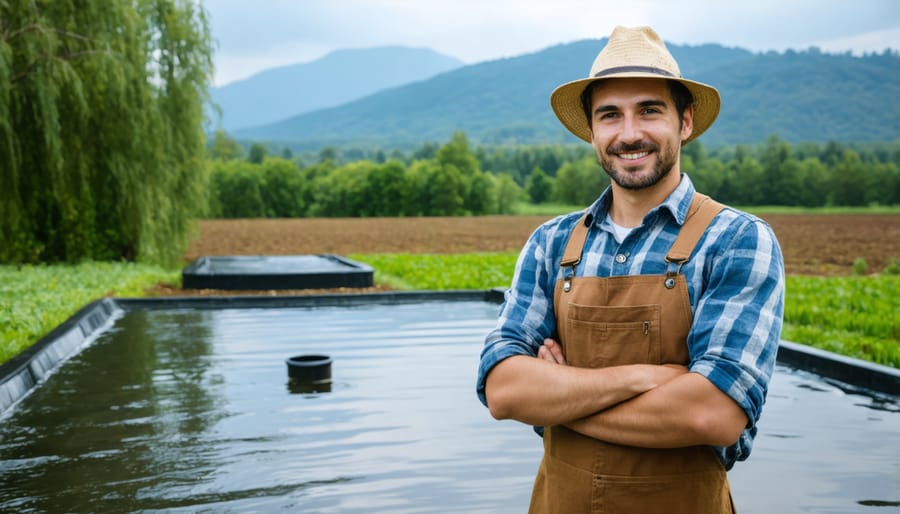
(632,69)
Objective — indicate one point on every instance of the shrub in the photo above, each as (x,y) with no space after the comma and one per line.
(892,267)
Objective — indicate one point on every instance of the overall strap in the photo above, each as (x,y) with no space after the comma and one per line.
(575,244)
(574,248)
(701,213)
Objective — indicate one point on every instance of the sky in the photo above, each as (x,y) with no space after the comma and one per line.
(253,36)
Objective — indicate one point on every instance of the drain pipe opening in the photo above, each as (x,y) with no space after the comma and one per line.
(309,373)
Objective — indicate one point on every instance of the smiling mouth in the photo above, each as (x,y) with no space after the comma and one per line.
(633,156)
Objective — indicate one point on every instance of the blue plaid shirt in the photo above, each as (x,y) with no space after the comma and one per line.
(735,281)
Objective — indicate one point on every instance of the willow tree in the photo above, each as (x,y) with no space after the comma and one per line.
(101,118)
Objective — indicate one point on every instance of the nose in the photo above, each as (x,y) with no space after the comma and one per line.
(631,129)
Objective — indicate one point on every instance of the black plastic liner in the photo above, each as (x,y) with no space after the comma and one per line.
(261,272)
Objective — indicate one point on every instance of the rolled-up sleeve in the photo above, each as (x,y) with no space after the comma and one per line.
(526,315)
(737,324)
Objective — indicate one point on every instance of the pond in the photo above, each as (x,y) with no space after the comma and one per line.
(183,409)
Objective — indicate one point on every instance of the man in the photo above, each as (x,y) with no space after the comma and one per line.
(642,332)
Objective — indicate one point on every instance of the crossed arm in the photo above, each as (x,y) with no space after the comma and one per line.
(638,405)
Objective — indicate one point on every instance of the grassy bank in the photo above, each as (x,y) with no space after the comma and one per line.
(854,316)
(35,299)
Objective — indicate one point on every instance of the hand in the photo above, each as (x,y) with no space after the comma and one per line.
(551,351)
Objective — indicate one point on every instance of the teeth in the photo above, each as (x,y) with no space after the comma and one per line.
(633,156)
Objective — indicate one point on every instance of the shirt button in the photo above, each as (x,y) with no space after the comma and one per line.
(620,258)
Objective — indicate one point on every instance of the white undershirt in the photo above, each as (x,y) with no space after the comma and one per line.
(620,232)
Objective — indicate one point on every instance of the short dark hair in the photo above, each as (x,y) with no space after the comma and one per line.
(681,96)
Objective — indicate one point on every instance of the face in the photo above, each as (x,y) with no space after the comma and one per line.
(636,133)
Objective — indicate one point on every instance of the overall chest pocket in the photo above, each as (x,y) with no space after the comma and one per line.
(600,336)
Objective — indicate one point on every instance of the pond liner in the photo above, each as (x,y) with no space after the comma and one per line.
(21,374)
(264,272)
(855,372)
(24,372)
(316,300)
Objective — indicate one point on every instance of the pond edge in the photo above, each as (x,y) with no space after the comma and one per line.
(26,371)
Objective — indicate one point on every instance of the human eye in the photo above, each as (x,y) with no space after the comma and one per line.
(607,115)
(651,107)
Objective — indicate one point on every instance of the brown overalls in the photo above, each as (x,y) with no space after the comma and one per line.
(641,319)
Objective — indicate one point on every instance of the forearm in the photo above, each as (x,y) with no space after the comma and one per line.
(539,392)
(686,411)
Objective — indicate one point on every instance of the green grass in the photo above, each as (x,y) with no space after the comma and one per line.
(854,316)
(35,299)
(441,272)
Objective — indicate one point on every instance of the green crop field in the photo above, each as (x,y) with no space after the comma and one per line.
(854,316)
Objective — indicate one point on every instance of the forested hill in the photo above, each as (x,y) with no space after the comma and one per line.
(808,96)
(331,80)
(798,96)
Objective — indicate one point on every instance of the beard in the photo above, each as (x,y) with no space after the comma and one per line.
(627,177)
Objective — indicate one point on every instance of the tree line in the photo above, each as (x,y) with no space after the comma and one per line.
(455,179)
(803,175)
(451,182)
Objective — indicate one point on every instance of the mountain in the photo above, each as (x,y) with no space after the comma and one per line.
(334,79)
(808,96)
(799,96)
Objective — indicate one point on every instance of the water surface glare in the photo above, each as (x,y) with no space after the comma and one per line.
(190,410)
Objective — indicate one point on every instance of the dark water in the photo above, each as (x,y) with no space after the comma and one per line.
(190,411)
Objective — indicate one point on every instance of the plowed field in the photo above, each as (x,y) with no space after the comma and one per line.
(821,244)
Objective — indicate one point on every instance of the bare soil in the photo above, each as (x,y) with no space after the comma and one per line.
(820,244)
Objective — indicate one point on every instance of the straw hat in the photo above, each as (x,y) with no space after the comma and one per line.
(632,52)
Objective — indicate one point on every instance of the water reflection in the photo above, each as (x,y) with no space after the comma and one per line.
(295,387)
(192,410)
(115,418)
(823,447)
(879,503)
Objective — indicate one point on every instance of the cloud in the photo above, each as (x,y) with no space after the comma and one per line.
(771,24)
(875,41)
(259,35)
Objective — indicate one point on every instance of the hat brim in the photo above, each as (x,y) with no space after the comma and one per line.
(566,103)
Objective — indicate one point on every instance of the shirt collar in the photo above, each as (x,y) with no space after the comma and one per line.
(677,203)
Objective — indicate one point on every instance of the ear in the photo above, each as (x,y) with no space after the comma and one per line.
(687,123)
